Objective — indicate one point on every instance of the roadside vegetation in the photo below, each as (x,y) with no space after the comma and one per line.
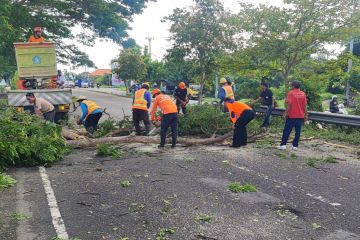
(6,181)
(105,150)
(236,187)
(26,140)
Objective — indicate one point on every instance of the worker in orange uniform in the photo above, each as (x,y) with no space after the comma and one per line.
(226,92)
(141,104)
(240,114)
(37,38)
(91,114)
(169,118)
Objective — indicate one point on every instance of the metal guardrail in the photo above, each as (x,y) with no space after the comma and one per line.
(348,120)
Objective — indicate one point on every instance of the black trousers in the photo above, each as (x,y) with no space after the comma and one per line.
(240,132)
(138,116)
(49,116)
(92,121)
(169,120)
(180,107)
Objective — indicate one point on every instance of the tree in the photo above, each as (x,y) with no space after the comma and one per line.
(97,18)
(291,34)
(202,33)
(131,66)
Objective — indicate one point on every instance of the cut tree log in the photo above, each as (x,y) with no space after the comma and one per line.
(70,134)
(87,143)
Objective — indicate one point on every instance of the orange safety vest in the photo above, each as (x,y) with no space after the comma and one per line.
(229,93)
(34,39)
(139,100)
(236,109)
(91,106)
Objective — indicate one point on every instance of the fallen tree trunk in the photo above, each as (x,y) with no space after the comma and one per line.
(143,139)
(70,134)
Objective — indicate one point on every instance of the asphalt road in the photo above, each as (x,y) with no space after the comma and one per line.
(186,190)
(114,105)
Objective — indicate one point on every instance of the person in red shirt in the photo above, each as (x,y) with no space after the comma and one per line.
(240,114)
(169,118)
(37,36)
(295,115)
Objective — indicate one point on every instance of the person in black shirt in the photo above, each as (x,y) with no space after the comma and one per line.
(181,96)
(334,105)
(268,100)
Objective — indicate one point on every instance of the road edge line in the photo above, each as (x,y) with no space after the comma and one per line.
(57,220)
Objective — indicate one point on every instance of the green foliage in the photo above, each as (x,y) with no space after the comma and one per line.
(104,128)
(330,159)
(247,87)
(19,217)
(26,140)
(6,181)
(163,233)
(104,19)
(313,95)
(205,218)
(237,188)
(202,34)
(335,133)
(204,120)
(285,36)
(105,150)
(131,65)
(311,162)
(126,184)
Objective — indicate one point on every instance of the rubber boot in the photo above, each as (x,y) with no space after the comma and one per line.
(162,140)
(173,143)
(147,129)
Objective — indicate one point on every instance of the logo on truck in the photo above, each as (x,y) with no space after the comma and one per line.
(36,60)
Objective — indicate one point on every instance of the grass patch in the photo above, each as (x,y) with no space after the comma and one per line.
(281,155)
(6,181)
(203,218)
(330,159)
(19,217)
(164,233)
(126,184)
(105,150)
(190,160)
(238,188)
(311,162)
(226,162)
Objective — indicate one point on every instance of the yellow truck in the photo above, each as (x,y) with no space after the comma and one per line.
(37,70)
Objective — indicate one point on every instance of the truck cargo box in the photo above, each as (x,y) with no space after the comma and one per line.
(36,60)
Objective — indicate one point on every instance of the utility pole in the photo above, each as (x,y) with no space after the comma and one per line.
(150,39)
(350,64)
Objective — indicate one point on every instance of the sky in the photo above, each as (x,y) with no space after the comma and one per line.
(148,24)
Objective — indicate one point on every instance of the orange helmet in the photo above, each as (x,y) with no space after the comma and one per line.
(182,85)
(37,29)
(155,91)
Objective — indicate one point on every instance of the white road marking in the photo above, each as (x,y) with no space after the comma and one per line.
(57,220)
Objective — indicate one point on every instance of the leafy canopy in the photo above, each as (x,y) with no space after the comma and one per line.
(291,34)
(96,18)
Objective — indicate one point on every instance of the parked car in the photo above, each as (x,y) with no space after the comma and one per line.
(69,84)
(85,84)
